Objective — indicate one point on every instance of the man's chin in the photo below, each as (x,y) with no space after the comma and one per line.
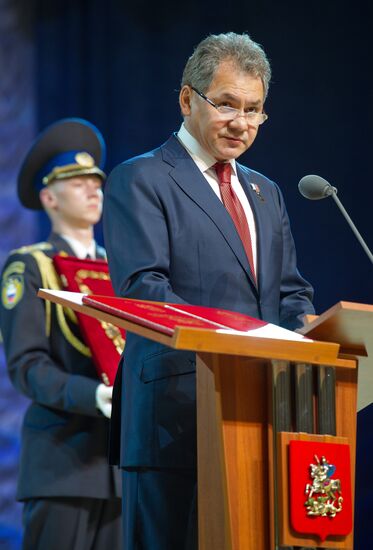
(89,221)
(230,149)
(229,153)
(94,216)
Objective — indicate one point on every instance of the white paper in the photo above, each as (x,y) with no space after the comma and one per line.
(269,331)
(75,297)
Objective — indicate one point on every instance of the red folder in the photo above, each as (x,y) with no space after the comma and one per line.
(165,317)
(105,341)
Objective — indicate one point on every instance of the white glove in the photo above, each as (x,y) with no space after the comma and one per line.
(104,396)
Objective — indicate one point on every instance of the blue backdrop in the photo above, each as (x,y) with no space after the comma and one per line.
(119,65)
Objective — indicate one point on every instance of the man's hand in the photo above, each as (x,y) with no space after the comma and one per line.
(103,399)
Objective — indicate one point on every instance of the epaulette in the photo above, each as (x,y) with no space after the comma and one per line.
(32,247)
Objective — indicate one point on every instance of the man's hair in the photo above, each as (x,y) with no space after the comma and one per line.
(238,49)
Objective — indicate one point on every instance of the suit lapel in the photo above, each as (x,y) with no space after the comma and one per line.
(187,176)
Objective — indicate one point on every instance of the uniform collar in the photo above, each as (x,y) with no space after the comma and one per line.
(81,251)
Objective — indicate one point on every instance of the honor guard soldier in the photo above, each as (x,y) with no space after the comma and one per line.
(72,497)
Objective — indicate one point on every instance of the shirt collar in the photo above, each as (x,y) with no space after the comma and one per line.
(79,249)
(203,159)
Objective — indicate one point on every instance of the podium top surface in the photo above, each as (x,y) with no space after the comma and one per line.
(348,323)
(211,340)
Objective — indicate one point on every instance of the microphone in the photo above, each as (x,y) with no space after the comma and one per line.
(315,188)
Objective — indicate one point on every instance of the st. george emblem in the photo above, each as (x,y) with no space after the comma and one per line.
(324,495)
(317,506)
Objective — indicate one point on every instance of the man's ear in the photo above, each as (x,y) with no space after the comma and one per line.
(47,198)
(185,99)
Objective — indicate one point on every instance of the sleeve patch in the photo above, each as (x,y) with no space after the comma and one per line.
(12,287)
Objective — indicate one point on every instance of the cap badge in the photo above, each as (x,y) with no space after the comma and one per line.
(85,159)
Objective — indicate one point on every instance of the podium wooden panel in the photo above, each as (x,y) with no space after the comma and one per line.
(238,383)
(233,466)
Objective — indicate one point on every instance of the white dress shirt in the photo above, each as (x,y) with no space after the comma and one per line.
(79,249)
(205,163)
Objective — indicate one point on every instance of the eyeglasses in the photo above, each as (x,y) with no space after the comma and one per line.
(230,113)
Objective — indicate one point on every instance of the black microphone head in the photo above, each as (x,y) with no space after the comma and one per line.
(314,187)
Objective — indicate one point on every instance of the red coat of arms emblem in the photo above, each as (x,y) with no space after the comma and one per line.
(320,488)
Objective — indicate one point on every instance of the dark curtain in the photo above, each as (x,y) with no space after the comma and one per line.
(17,227)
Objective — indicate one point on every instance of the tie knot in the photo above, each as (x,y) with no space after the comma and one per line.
(223,171)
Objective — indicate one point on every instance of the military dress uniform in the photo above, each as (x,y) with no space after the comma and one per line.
(72,497)
(64,436)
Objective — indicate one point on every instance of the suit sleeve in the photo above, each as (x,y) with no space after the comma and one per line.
(137,236)
(32,368)
(295,292)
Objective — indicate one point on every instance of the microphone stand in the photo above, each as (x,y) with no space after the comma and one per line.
(333,193)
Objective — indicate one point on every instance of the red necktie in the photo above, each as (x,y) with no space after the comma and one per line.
(235,209)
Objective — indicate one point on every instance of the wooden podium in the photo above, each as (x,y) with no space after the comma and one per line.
(253,395)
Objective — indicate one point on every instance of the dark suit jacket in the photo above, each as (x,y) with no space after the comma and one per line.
(169,238)
(64,437)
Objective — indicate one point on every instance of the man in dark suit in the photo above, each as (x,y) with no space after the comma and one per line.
(71,495)
(200,228)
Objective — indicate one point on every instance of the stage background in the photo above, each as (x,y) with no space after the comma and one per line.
(119,65)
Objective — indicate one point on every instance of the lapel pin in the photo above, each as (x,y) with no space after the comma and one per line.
(255,187)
